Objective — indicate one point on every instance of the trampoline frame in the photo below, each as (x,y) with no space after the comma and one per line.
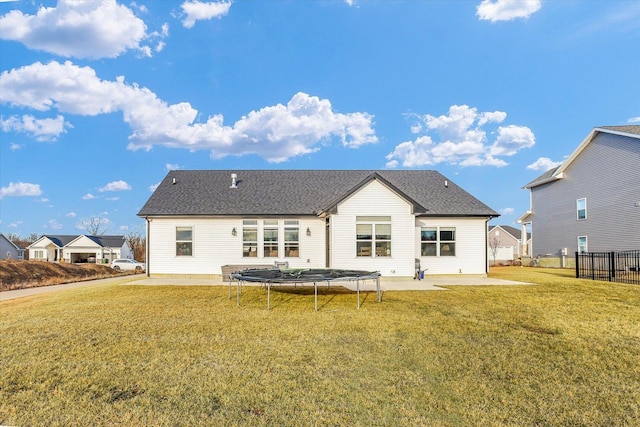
(274,276)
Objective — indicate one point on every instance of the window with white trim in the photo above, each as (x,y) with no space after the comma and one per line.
(438,241)
(291,238)
(250,238)
(373,236)
(184,241)
(270,238)
(38,254)
(581,209)
(582,244)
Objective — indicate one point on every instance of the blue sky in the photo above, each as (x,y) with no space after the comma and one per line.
(99,100)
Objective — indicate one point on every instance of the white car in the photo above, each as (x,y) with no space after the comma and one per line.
(128,265)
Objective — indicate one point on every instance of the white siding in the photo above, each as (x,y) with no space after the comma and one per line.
(471,247)
(214,246)
(374,199)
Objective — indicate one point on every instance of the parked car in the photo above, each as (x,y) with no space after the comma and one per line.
(128,265)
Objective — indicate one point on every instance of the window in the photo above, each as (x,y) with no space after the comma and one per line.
(291,238)
(581,207)
(582,244)
(438,242)
(429,241)
(184,241)
(38,254)
(448,241)
(373,232)
(270,230)
(250,238)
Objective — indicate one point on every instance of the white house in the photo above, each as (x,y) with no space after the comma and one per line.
(79,248)
(9,250)
(199,221)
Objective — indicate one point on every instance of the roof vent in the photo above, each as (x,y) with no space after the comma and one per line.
(446,184)
(233,180)
(174,181)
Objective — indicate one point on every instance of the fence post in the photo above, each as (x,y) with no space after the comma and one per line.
(577,265)
(593,270)
(612,267)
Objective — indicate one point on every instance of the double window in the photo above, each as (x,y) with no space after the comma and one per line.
(438,241)
(581,208)
(268,234)
(373,236)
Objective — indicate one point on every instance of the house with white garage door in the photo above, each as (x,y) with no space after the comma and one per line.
(79,248)
(199,221)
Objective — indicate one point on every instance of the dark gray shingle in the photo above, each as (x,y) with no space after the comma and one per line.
(300,192)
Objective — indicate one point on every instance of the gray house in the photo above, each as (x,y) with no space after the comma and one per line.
(592,201)
(9,250)
(200,221)
(505,243)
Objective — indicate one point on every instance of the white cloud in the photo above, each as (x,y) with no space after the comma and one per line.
(88,196)
(153,187)
(506,10)
(172,167)
(512,139)
(507,211)
(123,228)
(462,140)
(17,189)
(634,120)
(80,29)
(199,10)
(543,164)
(276,133)
(14,146)
(115,186)
(71,215)
(40,129)
(53,224)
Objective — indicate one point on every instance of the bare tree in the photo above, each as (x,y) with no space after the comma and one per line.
(494,244)
(95,226)
(20,241)
(137,242)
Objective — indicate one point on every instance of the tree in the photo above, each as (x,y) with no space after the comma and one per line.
(95,226)
(137,242)
(494,244)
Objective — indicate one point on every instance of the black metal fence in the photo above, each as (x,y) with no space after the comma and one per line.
(622,266)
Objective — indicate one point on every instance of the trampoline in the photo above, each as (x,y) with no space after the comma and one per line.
(276,277)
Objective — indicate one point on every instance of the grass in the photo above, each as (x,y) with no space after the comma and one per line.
(564,352)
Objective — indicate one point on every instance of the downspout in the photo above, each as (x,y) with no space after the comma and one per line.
(146,249)
(486,245)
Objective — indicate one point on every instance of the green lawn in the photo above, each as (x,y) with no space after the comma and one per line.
(564,352)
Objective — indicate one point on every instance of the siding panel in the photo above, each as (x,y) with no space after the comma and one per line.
(607,174)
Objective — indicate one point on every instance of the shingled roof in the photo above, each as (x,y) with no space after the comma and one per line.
(301,192)
(556,173)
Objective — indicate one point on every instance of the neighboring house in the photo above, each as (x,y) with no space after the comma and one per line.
(79,248)
(9,250)
(592,201)
(507,243)
(199,221)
